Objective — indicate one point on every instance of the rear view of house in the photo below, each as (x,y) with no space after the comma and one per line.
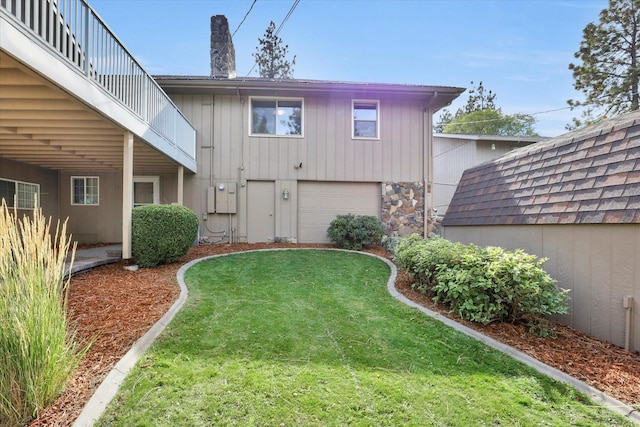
(576,200)
(278,159)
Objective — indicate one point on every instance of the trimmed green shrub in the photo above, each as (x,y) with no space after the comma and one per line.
(161,234)
(354,232)
(482,284)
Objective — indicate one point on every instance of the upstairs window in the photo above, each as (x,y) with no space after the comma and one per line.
(22,194)
(85,190)
(366,119)
(276,117)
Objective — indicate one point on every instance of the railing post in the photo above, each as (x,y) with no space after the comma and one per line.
(87,27)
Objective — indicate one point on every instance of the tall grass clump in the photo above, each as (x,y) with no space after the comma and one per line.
(37,347)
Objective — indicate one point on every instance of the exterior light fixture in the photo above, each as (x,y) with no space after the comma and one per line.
(493,147)
(285,194)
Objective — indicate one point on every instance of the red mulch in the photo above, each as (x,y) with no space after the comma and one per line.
(114,307)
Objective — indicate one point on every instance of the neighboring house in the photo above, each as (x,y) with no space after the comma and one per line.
(278,159)
(576,200)
(82,126)
(453,153)
(88,131)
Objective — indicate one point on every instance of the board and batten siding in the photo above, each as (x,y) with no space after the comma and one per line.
(326,150)
(599,263)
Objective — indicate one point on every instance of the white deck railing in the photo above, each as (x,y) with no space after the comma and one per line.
(72,30)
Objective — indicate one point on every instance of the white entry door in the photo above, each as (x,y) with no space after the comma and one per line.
(261,223)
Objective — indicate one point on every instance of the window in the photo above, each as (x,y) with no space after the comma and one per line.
(24,193)
(366,119)
(278,117)
(146,190)
(85,190)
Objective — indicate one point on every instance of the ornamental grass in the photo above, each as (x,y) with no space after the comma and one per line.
(38,351)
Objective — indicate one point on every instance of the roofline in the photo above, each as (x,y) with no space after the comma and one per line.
(438,96)
(492,138)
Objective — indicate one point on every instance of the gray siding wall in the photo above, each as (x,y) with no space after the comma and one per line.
(451,156)
(599,263)
(226,153)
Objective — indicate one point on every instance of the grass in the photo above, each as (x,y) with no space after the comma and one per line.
(312,338)
(37,349)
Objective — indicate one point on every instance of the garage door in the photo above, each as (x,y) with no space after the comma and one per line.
(320,202)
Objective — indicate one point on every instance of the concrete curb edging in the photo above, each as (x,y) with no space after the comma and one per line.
(109,387)
(595,394)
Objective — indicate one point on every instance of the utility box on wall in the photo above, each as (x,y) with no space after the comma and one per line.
(222,198)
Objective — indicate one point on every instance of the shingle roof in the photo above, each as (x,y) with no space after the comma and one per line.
(589,176)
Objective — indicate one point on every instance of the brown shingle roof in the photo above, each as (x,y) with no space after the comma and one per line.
(587,176)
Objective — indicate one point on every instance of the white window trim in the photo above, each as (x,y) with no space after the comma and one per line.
(353,118)
(275,98)
(17,199)
(156,189)
(85,178)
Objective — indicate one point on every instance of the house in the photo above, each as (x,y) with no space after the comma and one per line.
(453,153)
(82,126)
(88,131)
(278,159)
(574,199)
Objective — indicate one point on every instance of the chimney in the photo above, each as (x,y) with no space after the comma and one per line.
(223,55)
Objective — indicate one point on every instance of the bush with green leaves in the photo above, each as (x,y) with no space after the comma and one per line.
(354,232)
(161,234)
(482,284)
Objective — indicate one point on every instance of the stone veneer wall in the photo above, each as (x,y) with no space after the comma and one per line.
(403,208)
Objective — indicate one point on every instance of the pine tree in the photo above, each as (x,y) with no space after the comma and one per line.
(271,56)
(608,74)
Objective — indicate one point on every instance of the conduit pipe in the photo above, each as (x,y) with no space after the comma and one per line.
(627,303)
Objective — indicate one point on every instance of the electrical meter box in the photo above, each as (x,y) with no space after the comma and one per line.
(222,198)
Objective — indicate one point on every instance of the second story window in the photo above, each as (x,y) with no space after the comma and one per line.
(85,190)
(276,117)
(366,119)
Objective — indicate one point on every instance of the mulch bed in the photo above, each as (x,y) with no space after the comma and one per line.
(112,308)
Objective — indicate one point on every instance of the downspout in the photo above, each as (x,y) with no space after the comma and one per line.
(427,166)
(627,303)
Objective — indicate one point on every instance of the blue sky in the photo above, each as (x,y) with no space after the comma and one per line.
(520,49)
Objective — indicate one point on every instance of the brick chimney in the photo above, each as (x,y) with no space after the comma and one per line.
(223,55)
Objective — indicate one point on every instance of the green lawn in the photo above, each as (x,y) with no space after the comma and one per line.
(312,338)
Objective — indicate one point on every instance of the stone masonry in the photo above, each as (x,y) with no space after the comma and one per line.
(403,208)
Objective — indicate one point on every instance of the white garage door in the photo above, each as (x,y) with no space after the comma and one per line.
(320,202)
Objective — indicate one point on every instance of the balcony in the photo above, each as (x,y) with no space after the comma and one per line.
(70,90)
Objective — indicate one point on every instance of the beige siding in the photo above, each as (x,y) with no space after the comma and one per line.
(326,150)
(320,202)
(599,263)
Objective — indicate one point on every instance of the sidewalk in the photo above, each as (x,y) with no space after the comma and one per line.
(86,259)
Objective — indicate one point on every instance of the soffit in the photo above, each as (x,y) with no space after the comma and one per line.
(44,126)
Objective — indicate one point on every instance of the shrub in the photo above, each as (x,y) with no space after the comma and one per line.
(161,234)
(38,352)
(355,232)
(482,284)
(423,258)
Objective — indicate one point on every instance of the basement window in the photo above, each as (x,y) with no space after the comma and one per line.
(366,119)
(276,117)
(85,190)
(18,194)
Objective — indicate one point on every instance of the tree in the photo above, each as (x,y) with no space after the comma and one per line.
(491,121)
(271,56)
(480,116)
(608,75)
